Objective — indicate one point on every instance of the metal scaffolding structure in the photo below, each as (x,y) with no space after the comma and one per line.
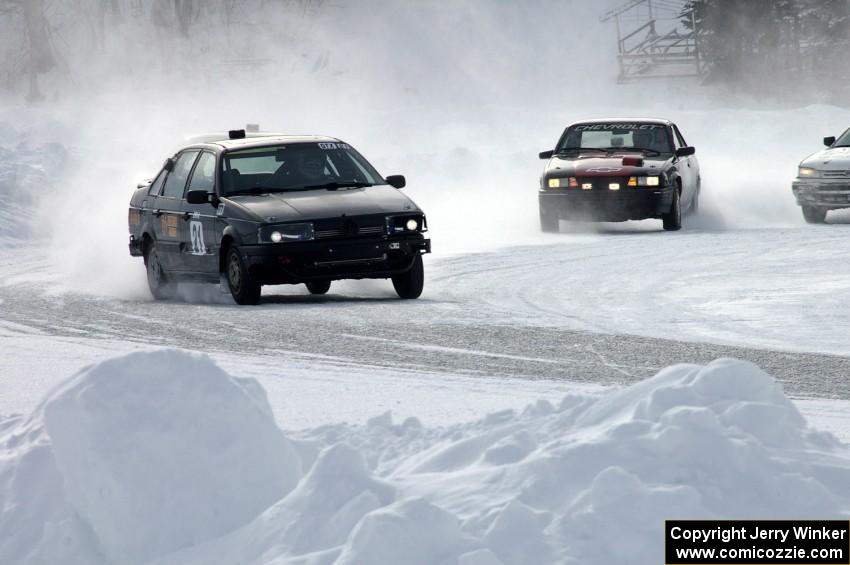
(653,43)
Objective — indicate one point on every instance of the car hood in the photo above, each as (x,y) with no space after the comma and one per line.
(602,166)
(829,159)
(317,204)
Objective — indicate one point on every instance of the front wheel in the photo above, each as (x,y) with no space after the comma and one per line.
(673,219)
(409,285)
(318,287)
(160,286)
(242,286)
(814,215)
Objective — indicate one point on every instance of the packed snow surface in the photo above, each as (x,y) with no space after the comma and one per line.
(162,457)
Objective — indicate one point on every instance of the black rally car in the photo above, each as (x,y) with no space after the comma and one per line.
(275,209)
(614,170)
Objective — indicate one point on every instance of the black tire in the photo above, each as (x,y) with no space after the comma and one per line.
(318,287)
(242,287)
(158,282)
(814,215)
(409,285)
(548,222)
(673,219)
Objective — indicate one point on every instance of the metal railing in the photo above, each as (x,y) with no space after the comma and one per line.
(646,52)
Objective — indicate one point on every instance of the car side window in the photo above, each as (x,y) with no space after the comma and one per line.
(156,185)
(679,138)
(674,138)
(203,177)
(176,180)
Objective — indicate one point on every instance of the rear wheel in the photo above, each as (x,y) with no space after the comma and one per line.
(673,219)
(242,286)
(318,287)
(814,215)
(160,286)
(409,285)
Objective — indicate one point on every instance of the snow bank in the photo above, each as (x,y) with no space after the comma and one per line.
(143,454)
(163,458)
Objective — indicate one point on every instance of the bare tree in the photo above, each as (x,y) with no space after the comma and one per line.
(41,54)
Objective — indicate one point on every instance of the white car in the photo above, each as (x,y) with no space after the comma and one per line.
(823,180)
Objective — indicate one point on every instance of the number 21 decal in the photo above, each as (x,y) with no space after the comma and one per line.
(196,234)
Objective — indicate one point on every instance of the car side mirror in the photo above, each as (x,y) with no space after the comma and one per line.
(828,141)
(547,154)
(685,151)
(397,181)
(198,197)
(168,165)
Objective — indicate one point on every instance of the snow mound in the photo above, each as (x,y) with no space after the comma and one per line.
(150,453)
(120,466)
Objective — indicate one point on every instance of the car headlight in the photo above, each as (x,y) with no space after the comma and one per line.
(284,233)
(645,181)
(808,172)
(402,224)
(563,182)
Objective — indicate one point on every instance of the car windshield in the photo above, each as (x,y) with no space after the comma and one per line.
(616,136)
(296,166)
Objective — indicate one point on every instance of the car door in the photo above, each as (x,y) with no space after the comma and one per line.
(197,224)
(693,163)
(685,168)
(168,214)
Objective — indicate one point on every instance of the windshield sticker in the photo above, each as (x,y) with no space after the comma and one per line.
(333,146)
(609,127)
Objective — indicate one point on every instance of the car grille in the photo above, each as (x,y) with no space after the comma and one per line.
(836,174)
(601,183)
(355,226)
(322,234)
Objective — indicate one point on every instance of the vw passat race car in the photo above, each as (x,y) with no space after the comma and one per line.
(823,179)
(275,209)
(614,170)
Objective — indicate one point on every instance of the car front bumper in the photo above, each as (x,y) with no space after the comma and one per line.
(822,193)
(356,258)
(135,247)
(606,205)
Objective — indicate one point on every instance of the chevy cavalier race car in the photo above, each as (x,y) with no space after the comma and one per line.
(249,211)
(613,170)
(823,179)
